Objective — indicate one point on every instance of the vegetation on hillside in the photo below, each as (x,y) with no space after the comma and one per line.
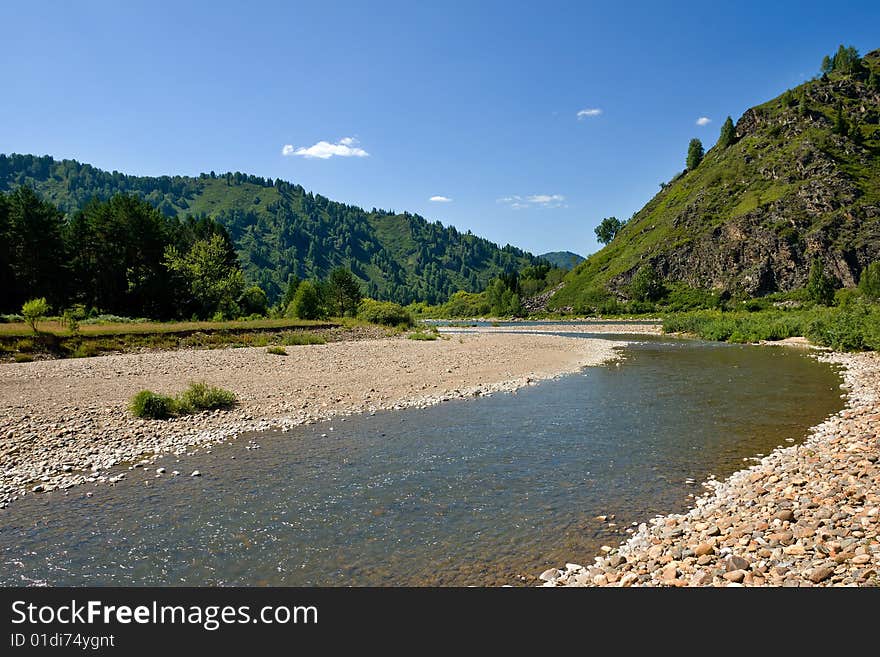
(279,230)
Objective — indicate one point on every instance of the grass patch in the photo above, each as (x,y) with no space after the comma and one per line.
(278,351)
(422,335)
(197,397)
(22,358)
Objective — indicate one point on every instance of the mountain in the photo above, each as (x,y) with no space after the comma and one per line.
(800,180)
(562,259)
(279,229)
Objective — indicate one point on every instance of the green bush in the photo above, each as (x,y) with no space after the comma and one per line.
(148,404)
(202,397)
(198,397)
(418,335)
(384,312)
(278,351)
(647,285)
(22,358)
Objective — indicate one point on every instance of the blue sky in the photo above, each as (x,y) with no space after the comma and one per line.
(477,102)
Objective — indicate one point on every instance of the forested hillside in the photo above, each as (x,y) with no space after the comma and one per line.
(280,230)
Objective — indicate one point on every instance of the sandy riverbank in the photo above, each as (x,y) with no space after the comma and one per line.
(65,422)
(805,515)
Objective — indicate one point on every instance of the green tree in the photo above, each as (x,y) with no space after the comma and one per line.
(820,287)
(306,302)
(38,250)
(874,80)
(647,284)
(827,65)
(695,154)
(7,279)
(869,282)
(728,134)
(345,291)
(607,229)
(117,257)
(34,310)
(214,285)
(293,282)
(847,61)
(253,301)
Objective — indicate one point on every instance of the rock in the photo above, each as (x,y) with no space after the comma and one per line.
(737,563)
(160,470)
(196,473)
(785,515)
(670,573)
(701,578)
(549,574)
(820,574)
(39,488)
(703,549)
(734,575)
(628,580)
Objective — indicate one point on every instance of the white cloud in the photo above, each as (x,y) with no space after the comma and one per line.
(591,111)
(517,202)
(345,147)
(440,199)
(704,120)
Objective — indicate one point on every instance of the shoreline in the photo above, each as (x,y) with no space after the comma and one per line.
(804,515)
(65,423)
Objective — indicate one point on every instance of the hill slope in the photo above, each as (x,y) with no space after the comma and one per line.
(752,216)
(279,229)
(562,259)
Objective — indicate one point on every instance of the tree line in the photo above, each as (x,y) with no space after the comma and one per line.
(120,256)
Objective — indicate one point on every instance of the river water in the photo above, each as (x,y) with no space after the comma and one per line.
(485,491)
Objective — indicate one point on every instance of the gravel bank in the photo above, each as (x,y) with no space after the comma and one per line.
(807,515)
(65,422)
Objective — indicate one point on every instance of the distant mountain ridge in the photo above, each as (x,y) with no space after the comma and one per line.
(279,229)
(800,181)
(562,259)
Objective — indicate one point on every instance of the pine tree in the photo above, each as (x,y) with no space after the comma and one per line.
(827,65)
(695,154)
(728,134)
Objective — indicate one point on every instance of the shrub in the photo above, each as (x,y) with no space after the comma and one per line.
(198,397)
(384,312)
(202,397)
(148,404)
(647,285)
(35,310)
(278,351)
(85,350)
(22,358)
(422,336)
